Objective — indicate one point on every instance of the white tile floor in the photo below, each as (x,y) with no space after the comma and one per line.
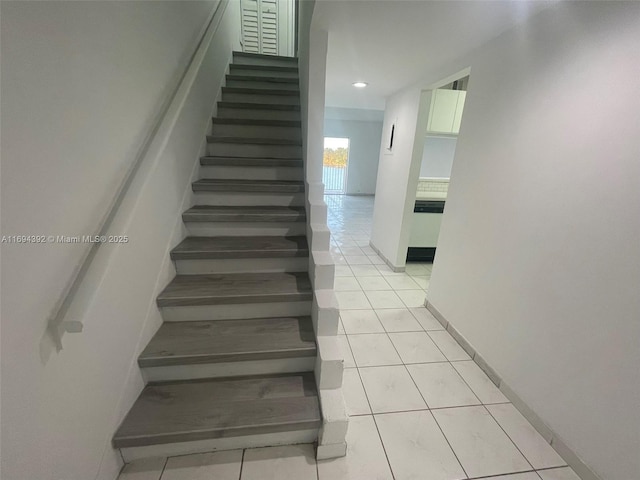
(436,415)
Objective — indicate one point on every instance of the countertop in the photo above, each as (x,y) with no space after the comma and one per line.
(431,196)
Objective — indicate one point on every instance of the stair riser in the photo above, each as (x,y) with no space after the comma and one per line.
(263,84)
(252,173)
(230,369)
(256,131)
(243,199)
(254,150)
(242,265)
(131,454)
(267,62)
(212,229)
(238,70)
(236,311)
(258,114)
(259,98)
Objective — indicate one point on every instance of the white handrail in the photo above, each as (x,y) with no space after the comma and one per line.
(153,145)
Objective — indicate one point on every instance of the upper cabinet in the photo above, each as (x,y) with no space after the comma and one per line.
(445,114)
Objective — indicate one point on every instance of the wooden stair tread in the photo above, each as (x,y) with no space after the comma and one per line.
(274,68)
(259,141)
(236,288)
(209,213)
(185,343)
(192,248)
(265,56)
(261,91)
(263,186)
(261,78)
(257,121)
(212,160)
(258,106)
(193,410)
(219,408)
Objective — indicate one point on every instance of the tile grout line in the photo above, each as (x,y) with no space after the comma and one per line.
(241,464)
(439,427)
(481,404)
(371,410)
(489,477)
(373,417)
(426,403)
(463,380)
(384,449)
(164,467)
(432,415)
(509,437)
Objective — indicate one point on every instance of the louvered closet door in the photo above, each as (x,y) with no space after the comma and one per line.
(269,26)
(260,26)
(250,26)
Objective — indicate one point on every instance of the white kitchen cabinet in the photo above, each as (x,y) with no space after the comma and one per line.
(425,228)
(457,118)
(445,113)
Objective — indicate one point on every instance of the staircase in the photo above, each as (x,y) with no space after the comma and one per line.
(232,365)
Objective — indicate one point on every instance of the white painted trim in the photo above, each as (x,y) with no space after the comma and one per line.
(206,229)
(131,454)
(386,260)
(451,78)
(242,265)
(321,270)
(251,173)
(248,199)
(331,450)
(330,362)
(228,369)
(335,420)
(235,311)
(325,312)
(318,237)
(567,454)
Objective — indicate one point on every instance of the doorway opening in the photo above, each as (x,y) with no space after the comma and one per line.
(268,27)
(335,162)
(439,139)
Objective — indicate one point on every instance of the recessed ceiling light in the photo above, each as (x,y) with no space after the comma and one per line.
(360,84)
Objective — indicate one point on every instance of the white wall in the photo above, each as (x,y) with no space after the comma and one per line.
(398,171)
(538,258)
(311,90)
(364,146)
(437,156)
(82,85)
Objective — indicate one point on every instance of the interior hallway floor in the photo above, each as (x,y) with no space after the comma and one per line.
(420,408)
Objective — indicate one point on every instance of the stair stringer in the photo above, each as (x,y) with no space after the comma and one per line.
(324,313)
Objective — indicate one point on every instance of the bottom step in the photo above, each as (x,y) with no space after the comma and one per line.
(204,410)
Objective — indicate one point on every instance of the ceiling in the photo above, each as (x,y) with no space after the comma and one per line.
(392,43)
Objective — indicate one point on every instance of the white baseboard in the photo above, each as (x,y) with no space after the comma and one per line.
(170,373)
(386,260)
(569,456)
(130,454)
